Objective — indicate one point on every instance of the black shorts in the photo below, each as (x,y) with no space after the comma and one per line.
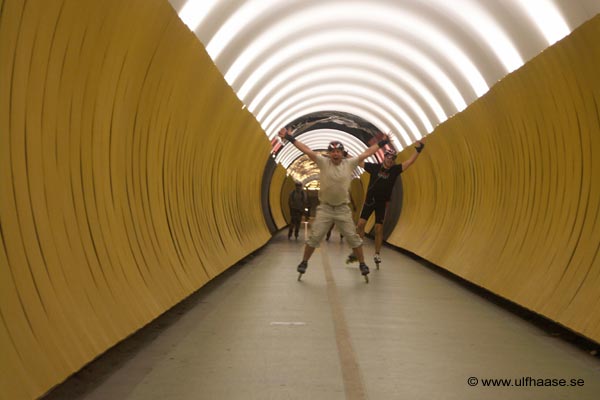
(379,206)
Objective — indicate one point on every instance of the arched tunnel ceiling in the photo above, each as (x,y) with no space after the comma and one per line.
(403,65)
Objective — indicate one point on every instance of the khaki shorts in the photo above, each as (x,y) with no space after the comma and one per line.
(327,215)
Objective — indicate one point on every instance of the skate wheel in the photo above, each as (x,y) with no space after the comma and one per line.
(377,265)
(299,277)
(366,279)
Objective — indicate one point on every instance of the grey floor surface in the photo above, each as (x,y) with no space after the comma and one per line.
(411,333)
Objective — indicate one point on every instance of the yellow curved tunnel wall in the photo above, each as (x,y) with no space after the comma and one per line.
(279,210)
(284,190)
(124,181)
(507,193)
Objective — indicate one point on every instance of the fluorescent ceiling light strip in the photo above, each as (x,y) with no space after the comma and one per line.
(468,12)
(348,39)
(249,11)
(368,111)
(194,11)
(546,18)
(363,109)
(333,59)
(383,18)
(473,16)
(319,139)
(364,113)
(342,90)
(343,103)
(357,78)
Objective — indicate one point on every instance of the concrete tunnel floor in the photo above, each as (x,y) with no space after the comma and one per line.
(255,332)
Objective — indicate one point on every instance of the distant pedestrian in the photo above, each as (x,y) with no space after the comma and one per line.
(298,202)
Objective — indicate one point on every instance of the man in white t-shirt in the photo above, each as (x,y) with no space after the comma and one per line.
(335,176)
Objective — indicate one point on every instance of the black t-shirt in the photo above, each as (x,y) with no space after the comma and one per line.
(382,180)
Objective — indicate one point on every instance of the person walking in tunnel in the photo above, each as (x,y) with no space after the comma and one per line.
(298,201)
(379,192)
(335,175)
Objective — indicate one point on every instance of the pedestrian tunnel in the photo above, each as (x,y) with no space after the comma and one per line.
(132,176)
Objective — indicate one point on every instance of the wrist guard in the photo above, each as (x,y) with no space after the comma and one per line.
(382,143)
(420,148)
(290,138)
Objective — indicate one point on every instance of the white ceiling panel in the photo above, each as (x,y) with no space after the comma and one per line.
(403,65)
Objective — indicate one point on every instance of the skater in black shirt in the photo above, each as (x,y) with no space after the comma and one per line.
(382,180)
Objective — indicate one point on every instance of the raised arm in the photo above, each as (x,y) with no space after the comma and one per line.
(413,158)
(285,134)
(371,150)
